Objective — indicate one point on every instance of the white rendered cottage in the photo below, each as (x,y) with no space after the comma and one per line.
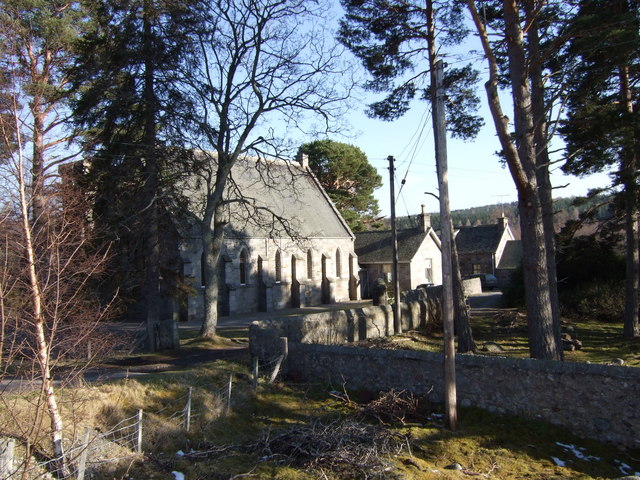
(419,256)
(285,245)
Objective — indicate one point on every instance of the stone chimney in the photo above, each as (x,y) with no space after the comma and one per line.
(303,159)
(425,220)
(503,222)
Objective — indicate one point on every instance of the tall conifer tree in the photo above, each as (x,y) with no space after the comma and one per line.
(128,105)
(397,42)
(602,127)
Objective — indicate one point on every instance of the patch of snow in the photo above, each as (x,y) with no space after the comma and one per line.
(626,469)
(180,453)
(178,475)
(558,462)
(578,452)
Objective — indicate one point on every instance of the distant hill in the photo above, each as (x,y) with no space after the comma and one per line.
(565,209)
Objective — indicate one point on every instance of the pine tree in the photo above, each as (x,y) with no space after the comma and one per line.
(348,178)
(130,106)
(602,127)
(517,60)
(397,37)
(38,46)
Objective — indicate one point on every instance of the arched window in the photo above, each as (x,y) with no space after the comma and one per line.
(243,267)
(309,265)
(338,263)
(278,266)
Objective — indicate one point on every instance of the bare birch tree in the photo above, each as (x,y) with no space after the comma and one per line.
(46,266)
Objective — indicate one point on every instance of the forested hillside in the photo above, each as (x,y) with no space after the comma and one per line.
(566,209)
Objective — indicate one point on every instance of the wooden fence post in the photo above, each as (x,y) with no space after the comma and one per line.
(7,448)
(229,393)
(139,432)
(255,373)
(187,412)
(82,462)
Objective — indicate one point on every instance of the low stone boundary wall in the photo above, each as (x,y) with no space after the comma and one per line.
(342,326)
(596,401)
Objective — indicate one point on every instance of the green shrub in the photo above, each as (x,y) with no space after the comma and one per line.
(603,301)
(513,293)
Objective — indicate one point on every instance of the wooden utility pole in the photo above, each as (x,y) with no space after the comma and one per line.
(397,323)
(446,239)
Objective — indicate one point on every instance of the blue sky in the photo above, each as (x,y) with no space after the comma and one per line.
(476,177)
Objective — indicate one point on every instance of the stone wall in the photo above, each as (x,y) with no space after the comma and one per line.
(341,326)
(323,273)
(596,401)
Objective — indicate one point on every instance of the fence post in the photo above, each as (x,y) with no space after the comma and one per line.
(284,344)
(7,448)
(255,373)
(229,393)
(139,432)
(187,408)
(82,462)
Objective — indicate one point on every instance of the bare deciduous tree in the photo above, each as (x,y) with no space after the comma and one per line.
(47,269)
(268,68)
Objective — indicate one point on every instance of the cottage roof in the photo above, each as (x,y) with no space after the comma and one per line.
(376,246)
(512,255)
(479,239)
(267,197)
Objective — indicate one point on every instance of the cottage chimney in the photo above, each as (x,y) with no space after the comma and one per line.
(303,159)
(425,220)
(503,222)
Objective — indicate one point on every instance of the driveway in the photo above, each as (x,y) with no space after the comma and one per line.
(486,301)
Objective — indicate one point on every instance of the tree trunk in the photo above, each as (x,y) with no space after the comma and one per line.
(152,244)
(521,160)
(542,337)
(460,311)
(37,172)
(42,346)
(628,176)
(212,241)
(541,140)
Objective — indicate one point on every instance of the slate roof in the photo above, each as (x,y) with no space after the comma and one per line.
(376,246)
(281,188)
(479,239)
(512,255)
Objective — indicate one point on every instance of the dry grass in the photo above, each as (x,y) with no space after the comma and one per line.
(298,432)
(284,431)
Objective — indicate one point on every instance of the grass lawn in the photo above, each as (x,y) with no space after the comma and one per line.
(303,432)
(291,431)
(505,334)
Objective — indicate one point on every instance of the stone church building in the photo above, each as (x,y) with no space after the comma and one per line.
(285,246)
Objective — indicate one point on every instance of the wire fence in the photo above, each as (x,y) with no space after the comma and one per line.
(93,449)
(124,440)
